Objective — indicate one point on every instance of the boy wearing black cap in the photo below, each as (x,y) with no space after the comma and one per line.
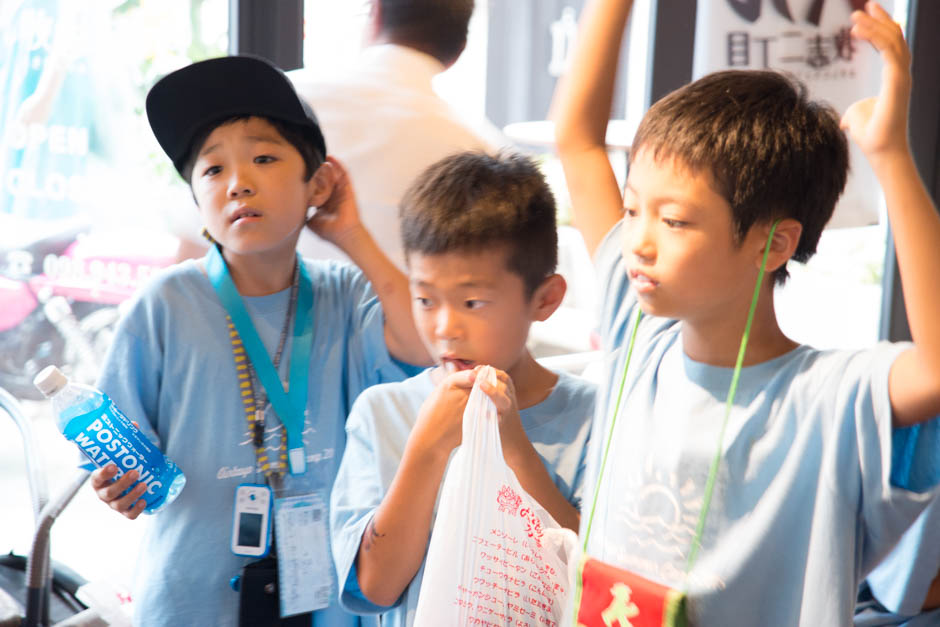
(244,364)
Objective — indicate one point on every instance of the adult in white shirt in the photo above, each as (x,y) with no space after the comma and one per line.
(383,120)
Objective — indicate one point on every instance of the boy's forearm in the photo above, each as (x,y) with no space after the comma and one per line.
(395,541)
(915,227)
(932,601)
(391,286)
(581,105)
(581,109)
(534,478)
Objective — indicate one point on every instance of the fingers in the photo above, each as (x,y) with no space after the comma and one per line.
(339,170)
(502,392)
(136,510)
(111,489)
(877,11)
(103,476)
(876,26)
(462,379)
(855,114)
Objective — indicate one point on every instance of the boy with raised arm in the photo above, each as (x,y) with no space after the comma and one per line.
(822,458)
(228,411)
(480,239)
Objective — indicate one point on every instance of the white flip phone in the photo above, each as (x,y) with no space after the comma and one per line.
(251,524)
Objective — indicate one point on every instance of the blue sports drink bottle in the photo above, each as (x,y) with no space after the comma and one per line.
(89,418)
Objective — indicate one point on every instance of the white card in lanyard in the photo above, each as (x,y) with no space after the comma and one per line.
(305,577)
(289,406)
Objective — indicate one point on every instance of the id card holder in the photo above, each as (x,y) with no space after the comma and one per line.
(610,594)
(251,520)
(305,574)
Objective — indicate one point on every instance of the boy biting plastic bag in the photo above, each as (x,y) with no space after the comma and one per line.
(496,556)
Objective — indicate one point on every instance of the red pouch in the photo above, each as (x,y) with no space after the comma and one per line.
(613,597)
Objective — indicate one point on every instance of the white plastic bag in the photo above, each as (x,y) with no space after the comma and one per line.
(496,556)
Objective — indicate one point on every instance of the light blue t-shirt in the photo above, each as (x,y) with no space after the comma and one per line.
(895,591)
(377,432)
(171,369)
(805,502)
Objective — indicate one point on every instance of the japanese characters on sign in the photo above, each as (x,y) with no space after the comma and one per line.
(811,40)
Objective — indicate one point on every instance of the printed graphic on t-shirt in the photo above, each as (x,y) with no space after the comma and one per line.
(274,436)
(653,516)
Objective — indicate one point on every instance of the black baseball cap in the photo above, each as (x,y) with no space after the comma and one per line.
(184,102)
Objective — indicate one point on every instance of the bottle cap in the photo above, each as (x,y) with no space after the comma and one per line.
(50,380)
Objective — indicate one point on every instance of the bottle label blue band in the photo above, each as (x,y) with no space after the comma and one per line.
(106,435)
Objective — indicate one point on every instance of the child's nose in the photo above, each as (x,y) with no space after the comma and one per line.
(240,183)
(448,324)
(639,239)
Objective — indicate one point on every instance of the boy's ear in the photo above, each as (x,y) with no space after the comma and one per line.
(548,296)
(783,245)
(320,186)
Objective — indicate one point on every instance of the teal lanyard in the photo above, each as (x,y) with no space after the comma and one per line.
(289,406)
(716,460)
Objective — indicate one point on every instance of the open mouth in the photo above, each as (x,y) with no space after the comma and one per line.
(452,364)
(641,281)
(244,214)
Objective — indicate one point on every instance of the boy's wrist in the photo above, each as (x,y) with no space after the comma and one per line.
(352,238)
(518,451)
(427,452)
(889,158)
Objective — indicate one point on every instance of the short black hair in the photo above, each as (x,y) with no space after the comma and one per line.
(772,153)
(294,135)
(472,202)
(437,27)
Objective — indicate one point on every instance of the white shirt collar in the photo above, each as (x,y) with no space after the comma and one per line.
(407,64)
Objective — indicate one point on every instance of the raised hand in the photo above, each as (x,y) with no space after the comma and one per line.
(879,125)
(337,218)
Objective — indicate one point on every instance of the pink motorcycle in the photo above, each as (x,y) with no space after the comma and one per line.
(60,295)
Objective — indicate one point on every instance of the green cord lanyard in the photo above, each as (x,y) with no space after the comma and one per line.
(713,470)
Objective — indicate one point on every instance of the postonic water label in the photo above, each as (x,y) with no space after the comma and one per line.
(106,435)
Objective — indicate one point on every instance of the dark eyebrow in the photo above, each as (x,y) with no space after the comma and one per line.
(208,149)
(464,284)
(685,202)
(271,139)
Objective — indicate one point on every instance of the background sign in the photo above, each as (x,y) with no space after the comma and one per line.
(810,40)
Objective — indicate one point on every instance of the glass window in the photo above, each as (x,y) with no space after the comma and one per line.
(90,208)
(834,300)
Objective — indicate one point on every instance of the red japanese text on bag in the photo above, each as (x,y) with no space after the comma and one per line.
(496,556)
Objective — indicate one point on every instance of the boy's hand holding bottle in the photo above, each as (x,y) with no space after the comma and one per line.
(147,481)
(118,491)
